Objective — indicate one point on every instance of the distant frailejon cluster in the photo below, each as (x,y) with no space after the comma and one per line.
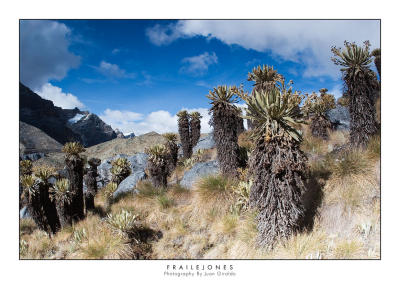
(270,168)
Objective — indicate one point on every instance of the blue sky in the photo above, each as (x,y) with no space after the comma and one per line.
(137,74)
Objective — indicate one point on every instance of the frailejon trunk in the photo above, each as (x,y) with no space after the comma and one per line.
(184,133)
(319,126)
(240,127)
(64,213)
(224,121)
(278,170)
(91,184)
(75,175)
(172,155)
(195,128)
(43,210)
(158,173)
(362,91)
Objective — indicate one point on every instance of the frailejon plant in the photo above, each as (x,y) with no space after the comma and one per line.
(362,88)
(316,107)
(184,133)
(63,198)
(277,165)
(172,149)
(195,127)
(109,190)
(242,192)
(25,167)
(91,183)
(120,170)
(123,221)
(39,203)
(74,163)
(264,77)
(224,116)
(157,165)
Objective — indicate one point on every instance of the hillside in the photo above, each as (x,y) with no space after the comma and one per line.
(34,140)
(128,146)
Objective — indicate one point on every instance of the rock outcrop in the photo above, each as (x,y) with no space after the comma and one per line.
(339,117)
(199,170)
(206,142)
(138,164)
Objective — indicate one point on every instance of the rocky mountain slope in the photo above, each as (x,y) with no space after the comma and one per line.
(108,149)
(34,141)
(63,125)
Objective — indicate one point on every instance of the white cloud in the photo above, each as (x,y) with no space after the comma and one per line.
(302,41)
(160,121)
(337,91)
(58,97)
(44,53)
(113,70)
(163,34)
(198,65)
(116,51)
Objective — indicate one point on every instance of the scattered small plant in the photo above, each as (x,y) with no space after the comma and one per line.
(25,167)
(146,189)
(164,201)
(123,221)
(242,192)
(73,148)
(216,187)
(79,235)
(350,162)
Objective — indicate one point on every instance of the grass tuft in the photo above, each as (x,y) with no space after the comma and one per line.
(350,163)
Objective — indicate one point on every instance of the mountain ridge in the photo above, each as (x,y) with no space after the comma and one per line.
(56,121)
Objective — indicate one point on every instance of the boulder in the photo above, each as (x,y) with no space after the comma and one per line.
(340,117)
(23,213)
(33,156)
(198,171)
(129,184)
(138,165)
(206,142)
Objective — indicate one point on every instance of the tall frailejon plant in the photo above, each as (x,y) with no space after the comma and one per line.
(74,163)
(40,204)
(157,165)
(316,107)
(25,169)
(362,87)
(91,183)
(195,127)
(224,116)
(63,197)
(172,150)
(184,133)
(264,77)
(277,165)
